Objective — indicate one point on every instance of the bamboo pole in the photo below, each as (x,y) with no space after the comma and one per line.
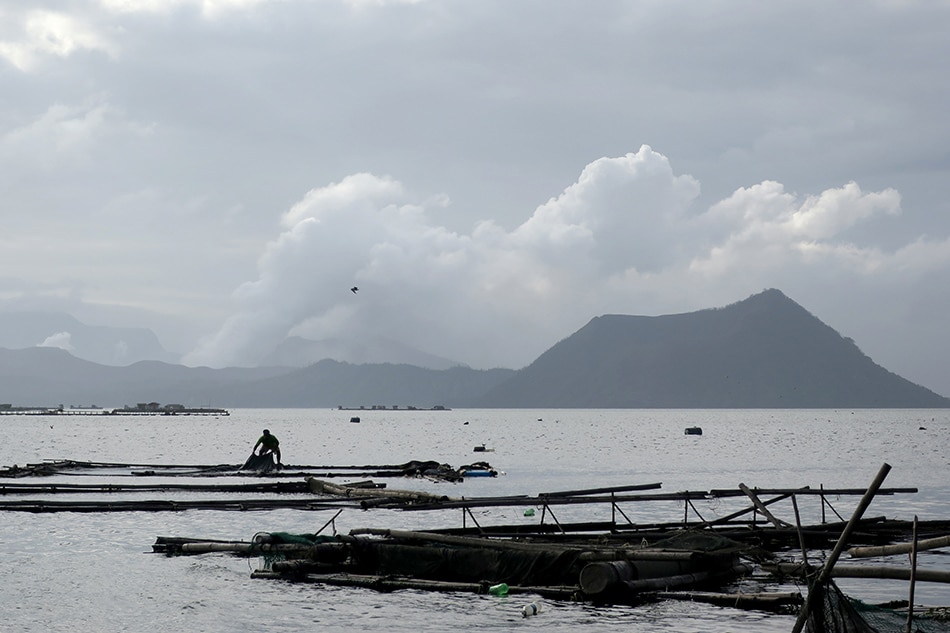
(243,547)
(738,514)
(594,491)
(447,539)
(891,573)
(325,487)
(899,548)
(761,507)
(391,583)
(279,486)
(485,502)
(45,506)
(801,535)
(760,601)
(839,546)
(680,580)
(868,571)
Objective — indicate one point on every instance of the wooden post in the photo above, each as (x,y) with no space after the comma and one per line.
(801,536)
(913,578)
(840,545)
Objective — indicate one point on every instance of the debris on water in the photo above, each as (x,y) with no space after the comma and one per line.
(501,589)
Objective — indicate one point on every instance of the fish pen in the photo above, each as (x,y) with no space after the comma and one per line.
(609,557)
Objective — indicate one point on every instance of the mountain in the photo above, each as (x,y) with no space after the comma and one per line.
(99,344)
(763,352)
(41,376)
(46,376)
(332,383)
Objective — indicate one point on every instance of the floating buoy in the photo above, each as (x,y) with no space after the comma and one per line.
(533,608)
(355,418)
(693,430)
(529,512)
(501,589)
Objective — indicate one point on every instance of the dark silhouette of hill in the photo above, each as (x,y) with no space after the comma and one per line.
(763,352)
(48,377)
(45,376)
(332,383)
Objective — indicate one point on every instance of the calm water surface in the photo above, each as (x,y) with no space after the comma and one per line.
(74,571)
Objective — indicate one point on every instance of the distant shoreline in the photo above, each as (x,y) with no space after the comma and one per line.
(169,410)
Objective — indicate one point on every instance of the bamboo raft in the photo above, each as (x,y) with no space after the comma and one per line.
(620,564)
(607,561)
(429,469)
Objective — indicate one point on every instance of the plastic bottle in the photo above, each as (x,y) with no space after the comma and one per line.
(501,589)
(533,608)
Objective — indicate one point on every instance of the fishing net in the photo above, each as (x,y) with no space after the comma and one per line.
(468,564)
(700,541)
(834,612)
(269,558)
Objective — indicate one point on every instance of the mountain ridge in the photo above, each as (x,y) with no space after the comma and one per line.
(765,351)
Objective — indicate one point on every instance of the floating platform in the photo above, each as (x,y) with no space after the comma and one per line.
(122,411)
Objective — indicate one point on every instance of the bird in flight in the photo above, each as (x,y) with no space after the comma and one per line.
(354,289)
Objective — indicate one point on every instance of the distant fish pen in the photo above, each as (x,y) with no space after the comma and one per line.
(143,408)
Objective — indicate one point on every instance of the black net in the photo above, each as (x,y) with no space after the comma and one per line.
(469,564)
(276,538)
(834,612)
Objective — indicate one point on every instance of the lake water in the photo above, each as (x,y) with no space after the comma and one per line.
(76,571)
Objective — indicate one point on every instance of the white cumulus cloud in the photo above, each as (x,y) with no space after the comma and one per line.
(614,239)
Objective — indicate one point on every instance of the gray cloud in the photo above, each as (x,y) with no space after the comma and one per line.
(473,167)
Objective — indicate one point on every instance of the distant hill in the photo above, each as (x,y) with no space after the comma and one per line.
(331,383)
(44,376)
(763,352)
(100,344)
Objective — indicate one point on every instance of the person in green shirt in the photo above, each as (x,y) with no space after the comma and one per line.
(269,444)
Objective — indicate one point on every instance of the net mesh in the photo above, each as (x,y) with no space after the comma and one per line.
(834,612)
(269,558)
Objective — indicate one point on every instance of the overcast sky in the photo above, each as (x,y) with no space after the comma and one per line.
(491,174)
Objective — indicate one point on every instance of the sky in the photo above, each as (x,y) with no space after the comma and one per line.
(490,174)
